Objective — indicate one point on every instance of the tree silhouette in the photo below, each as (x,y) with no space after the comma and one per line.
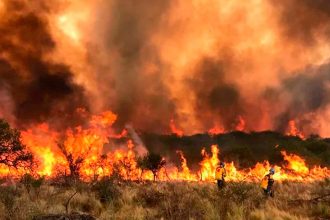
(12,152)
(153,162)
(74,162)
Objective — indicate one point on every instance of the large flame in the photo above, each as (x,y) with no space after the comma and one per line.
(176,66)
(86,145)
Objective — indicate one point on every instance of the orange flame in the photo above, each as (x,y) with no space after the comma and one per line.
(175,129)
(209,164)
(295,163)
(216,130)
(292,130)
(86,144)
(185,173)
(241,124)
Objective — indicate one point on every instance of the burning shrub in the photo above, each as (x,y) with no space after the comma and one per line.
(74,163)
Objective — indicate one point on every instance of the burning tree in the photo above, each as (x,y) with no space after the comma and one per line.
(153,162)
(12,152)
(128,166)
(74,162)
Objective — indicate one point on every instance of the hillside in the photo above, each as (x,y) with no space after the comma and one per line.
(245,149)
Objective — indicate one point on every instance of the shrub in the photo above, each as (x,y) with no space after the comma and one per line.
(32,184)
(183,202)
(242,197)
(149,196)
(106,190)
(321,210)
(86,203)
(8,196)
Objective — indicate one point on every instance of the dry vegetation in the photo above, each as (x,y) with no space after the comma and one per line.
(109,199)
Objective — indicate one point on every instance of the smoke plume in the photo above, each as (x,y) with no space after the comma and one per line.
(39,89)
(247,65)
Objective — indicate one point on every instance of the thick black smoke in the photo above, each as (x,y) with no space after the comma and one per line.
(216,99)
(41,90)
(304,21)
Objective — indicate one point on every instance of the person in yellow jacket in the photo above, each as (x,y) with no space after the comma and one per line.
(220,174)
(267,183)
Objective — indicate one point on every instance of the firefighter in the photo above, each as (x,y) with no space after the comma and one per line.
(268,182)
(220,175)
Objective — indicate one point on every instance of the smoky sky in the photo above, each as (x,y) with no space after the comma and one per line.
(138,97)
(304,21)
(143,81)
(143,99)
(216,99)
(307,92)
(40,89)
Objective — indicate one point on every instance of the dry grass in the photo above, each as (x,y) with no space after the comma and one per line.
(175,200)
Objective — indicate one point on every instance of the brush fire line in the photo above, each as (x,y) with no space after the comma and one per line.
(82,151)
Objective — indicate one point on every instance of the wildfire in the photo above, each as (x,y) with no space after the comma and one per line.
(185,173)
(122,134)
(292,130)
(81,151)
(295,163)
(216,130)
(241,124)
(209,164)
(175,129)
(42,143)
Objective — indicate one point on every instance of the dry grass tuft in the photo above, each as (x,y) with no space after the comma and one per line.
(168,200)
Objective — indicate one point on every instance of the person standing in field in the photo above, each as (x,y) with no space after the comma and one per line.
(267,183)
(220,174)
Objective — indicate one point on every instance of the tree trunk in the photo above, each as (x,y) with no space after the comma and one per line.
(154,176)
